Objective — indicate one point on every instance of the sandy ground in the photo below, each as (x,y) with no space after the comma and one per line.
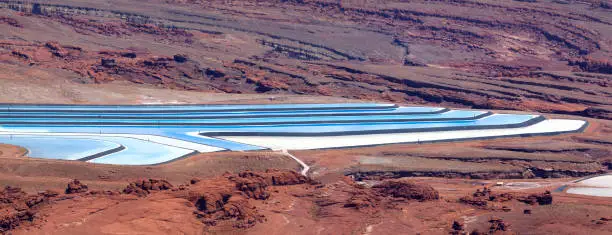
(10,151)
(34,175)
(33,85)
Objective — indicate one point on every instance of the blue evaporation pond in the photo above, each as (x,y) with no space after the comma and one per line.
(455,114)
(179,132)
(140,152)
(211,141)
(493,121)
(235,114)
(55,147)
(166,108)
(171,132)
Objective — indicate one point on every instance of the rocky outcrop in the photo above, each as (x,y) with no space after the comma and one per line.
(226,201)
(223,201)
(490,59)
(226,208)
(57,49)
(276,177)
(145,187)
(75,186)
(10,21)
(386,194)
(180,58)
(545,198)
(457,228)
(18,207)
(407,189)
(487,199)
(11,217)
(498,224)
(253,186)
(194,181)
(10,194)
(593,65)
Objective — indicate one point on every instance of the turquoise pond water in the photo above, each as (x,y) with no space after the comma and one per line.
(135,152)
(200,123)
(455,114)
(59,148)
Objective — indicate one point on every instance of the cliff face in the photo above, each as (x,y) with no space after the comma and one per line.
(541,56)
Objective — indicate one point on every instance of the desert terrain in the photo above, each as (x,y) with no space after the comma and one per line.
(549,57)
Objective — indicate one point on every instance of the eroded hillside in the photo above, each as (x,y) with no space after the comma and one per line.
(546,56)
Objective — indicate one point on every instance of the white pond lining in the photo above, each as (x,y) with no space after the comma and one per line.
(546,127)
(150,138)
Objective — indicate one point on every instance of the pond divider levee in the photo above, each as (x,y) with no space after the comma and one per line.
(101,154)
(189,108)
(162,121)
(529,122)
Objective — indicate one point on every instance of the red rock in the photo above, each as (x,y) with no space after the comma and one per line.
(408,190)
(541,199)
(75,186)
(194,181)
(498,224)
(144,187)
(239,208)
(10,21)
(17,207)
(21,54)
(11,218)
(276,177)
(216,203)
(458,226)
(593,65)
(180,58)
(362,199)
(109,63)
(57,49)
(476,232)
(10,194)
(252,187)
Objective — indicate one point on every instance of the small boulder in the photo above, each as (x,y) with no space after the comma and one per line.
(57,49)
(194,181)
(498,224)
(458,226)
(108,63)
(75,186)
(181,58)
(131,55)
(541,199)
